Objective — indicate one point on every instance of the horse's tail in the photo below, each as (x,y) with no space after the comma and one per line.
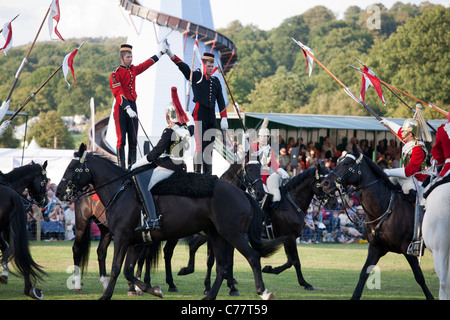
(264,248)
(84,247)
(19,251)
(153,252)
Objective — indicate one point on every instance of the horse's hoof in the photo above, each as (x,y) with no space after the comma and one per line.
(267,269)
(185,271)
(3,279)
(131,293)
(157,292)
(36,293)
(267,295)
(310,288)
(234,293)
(173,289)
(78,290)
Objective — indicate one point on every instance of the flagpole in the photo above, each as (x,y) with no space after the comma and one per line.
(24,61)
(231,95)
(190,80)
(347,89)
(34,93)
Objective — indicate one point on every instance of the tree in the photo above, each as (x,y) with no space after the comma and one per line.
(49,127)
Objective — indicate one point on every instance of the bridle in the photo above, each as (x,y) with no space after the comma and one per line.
(249,185)
(355,168)
(72,185)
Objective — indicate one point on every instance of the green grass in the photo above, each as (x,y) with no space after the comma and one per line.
(333,269)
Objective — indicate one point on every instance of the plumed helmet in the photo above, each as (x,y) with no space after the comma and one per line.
(264,130)
(409,125)
(171,112)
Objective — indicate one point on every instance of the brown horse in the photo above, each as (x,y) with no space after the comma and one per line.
(228,216)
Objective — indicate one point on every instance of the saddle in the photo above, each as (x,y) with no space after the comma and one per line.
(437,183)
(186,184)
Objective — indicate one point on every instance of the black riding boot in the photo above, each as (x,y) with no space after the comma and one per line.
(146,198)
(120,157)
(131,157)
(197,162)
(207,168)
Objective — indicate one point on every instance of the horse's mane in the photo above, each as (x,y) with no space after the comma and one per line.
(379,173)
(20,172)
(231,172)
(300,178)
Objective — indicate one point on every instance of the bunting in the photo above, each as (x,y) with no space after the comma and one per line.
(7,34)
(68,63)
(369,79)
(54,15)
(309,59)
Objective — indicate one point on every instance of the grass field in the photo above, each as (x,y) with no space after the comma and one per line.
(333,269)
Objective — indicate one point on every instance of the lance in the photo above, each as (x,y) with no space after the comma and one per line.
(397,96)
(33,93)
(231,95)
(24,61)
(347,89)
(412,97)
(1,30)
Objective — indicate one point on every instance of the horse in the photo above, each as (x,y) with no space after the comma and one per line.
(13,218)
(389,216)
(227,215)
(247,177)
(288,218)
(435,228)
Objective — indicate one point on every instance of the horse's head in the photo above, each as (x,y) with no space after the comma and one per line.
(322,172)
(346,172)
(37,187)
(252,180)
(77,175)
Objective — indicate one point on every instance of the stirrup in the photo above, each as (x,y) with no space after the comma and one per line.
(149,224)
(414,248)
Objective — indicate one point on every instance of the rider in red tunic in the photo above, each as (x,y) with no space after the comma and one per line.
(441,149)
(122,83)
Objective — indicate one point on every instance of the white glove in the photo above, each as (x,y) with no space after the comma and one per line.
(283,174)
(4,127)
(131,112)
(224,123)
(397,172)
(141,162)
(191,121)
(162,48)
(389,124)
(168,51)
(3,109)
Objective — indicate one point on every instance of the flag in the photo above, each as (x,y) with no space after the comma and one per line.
(54,14)
(369,79)
(309,59)
(68,63)
(7,34)
(199,58)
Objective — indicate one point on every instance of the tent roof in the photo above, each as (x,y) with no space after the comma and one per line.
(330,121)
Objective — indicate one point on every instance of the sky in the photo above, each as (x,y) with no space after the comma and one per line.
(105,18)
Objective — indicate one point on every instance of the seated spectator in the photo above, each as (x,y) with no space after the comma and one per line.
(281,142)
(290,144)
(353,142)
(309,227)
(69,218)
(335,226)
(52,227)
(393,149)
(284,159)
(381,147)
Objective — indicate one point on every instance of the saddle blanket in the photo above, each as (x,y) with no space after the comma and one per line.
(186,184)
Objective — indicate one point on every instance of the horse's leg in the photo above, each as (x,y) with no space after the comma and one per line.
(418,275)
(230,279)
(373,256)
(5,269)
(209,264)
(196,242)
(168,253)
(77,256)
(290,247)
(133,254)
(120,250)
(102,250)
(219,247)
(132,290)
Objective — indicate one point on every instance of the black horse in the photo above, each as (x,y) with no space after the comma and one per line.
(227,215)
(288,218)
(389,216)
(247,177)
(14,243)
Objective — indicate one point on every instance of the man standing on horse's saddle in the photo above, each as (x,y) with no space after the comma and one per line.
(441,149)
(165,158)
(272,173)
(207,91)
(410,177)
(122,83)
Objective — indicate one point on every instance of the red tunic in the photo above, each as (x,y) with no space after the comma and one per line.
(441,149)
(415,163)
(123,80)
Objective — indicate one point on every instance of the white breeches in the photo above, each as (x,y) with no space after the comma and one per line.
(273,186)
(159,174)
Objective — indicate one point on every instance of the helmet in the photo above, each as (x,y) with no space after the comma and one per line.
(409,125)
(264,131)
(171,112)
